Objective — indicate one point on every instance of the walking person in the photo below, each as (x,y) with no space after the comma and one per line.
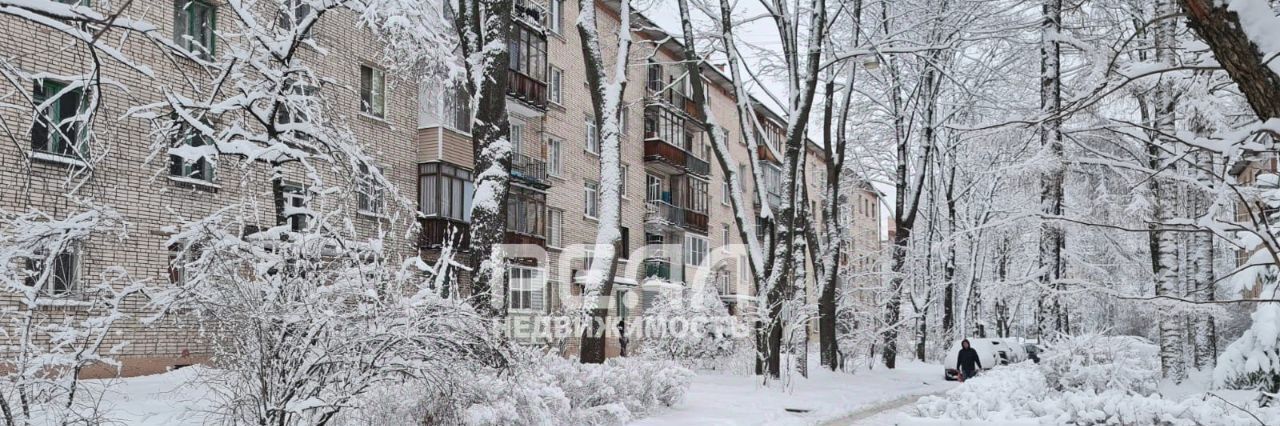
(967,361)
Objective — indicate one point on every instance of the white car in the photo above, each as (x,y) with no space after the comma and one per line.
(991,352)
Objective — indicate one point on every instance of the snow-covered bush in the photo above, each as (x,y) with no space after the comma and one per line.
(1096,363)
(538,389)
(1253,360)
(563,391)
(694,328)
(1019,393)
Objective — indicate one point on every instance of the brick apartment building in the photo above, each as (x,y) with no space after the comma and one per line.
(674,190)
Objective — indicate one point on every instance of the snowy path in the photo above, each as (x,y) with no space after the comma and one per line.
(716,399)
(878,414)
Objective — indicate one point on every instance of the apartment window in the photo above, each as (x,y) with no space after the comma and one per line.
(724,236)
(626,243)
(200,168)
(177,272)
(696,196)
(445,191)
(372,91)
(624,117)
(593,137)
(516,135)
(369,192)
(553,299)
(194,22)
(654,77)
(58,129)
(554,159)
(299,99)
(695,250)
(555,228)
(556,8)
(293,13)
(59,277)
(527,53)
(456,109)
(525,211)
(724,191)
(591,198)
(626,178)
(525,286)
(292,207)
(556,84)
(652,188)
(666,125)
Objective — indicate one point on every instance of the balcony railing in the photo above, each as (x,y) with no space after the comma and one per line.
(657,268)
(529,170)
(517,237)
(660,150)
(437,230)
(695,221)
(697,166)
(527,89)
(663,213)
(530,12)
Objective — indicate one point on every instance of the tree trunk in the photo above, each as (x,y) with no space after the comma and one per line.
(490,147)
(1204,334)
(1052,238)
(606,102)
(1221,30)
(1165,260)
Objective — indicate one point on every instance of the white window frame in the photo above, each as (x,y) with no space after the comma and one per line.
(592,138)
(370,199)
(626,174)
(695,248)
(591,199)
(724,191)
(555,228)
(555,83)
(555,156)
(556,21)
(524,280)
(516,136)
(36,268)
(377,106)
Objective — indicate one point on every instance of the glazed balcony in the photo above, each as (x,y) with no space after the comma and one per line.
(529,171)
(526,214)
(664,156)
(695,221)
(436,231)
(675,101)
(527,89)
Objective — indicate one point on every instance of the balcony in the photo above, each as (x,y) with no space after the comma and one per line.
(529,171)
(661,216)
(665,156)
(437,230)
(526,213)
(529,13)
(657,268)
(527,89)
(697,166)
(695,221)
(674,100)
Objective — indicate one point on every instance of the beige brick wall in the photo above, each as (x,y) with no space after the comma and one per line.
(141,189)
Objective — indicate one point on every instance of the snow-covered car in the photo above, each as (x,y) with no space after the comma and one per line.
(991,352)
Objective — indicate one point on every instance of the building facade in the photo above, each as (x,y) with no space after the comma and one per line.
(675,194)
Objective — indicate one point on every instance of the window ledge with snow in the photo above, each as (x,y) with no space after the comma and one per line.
(195,183)
(46,157)
(371,214)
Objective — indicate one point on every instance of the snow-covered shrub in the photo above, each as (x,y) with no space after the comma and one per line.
(694,328)
(1096,363)
(1001,394)
(1020,393)
(1253,360)
(556,391)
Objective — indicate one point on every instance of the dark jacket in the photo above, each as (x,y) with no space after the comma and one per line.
(967,359)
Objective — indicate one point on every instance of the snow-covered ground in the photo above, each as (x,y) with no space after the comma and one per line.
(720,399)
(163,399)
